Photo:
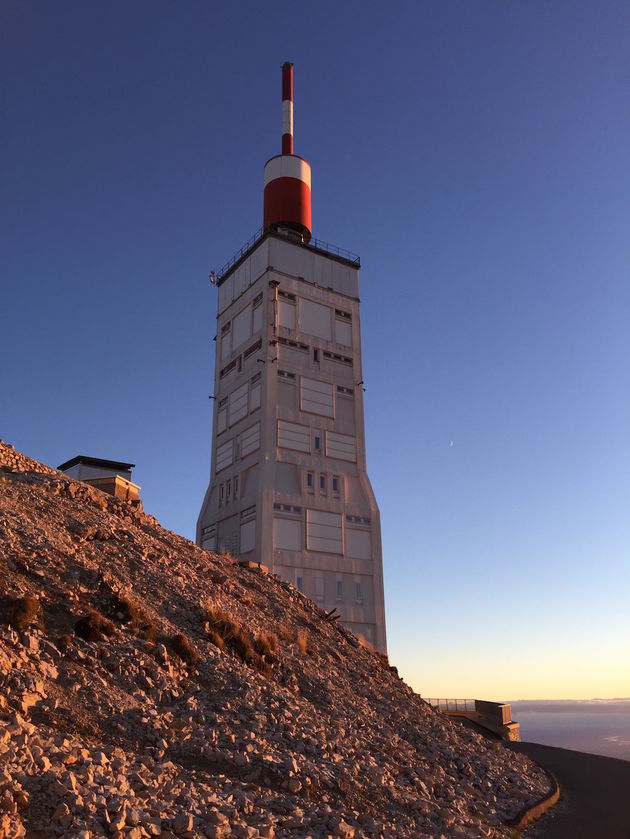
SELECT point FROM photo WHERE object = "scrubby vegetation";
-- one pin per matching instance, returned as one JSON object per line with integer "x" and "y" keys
{"x": 301, "y": 639}
{"x": 93, "y": 626}
{"x": 125, "y": 610}
{"x": 22, "y": 612}
{"x": 185, "y": 649}
{"x": 266, "y": 643}
{"x": 226, "y": 633}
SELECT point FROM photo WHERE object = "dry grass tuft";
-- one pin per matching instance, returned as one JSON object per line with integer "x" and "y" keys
{"x": 221, "y": 623}
{"x": 127, "y": 611}
{"x": 265, "y": 668}
{"x": 285, "y": 634}
{"x": 185, "y": 649}
{"x": 216, "y": 639}
{"x": 93, "y": 626}
{"x": 301, "y": 639}
{"x": 266, "y": 643}
{"x": 232, "y": 634}
{"x": 226, "y": 633}
{"x": 23, "y": 612}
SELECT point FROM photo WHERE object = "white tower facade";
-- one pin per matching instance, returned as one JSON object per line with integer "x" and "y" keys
{"x": 288, "y": 484}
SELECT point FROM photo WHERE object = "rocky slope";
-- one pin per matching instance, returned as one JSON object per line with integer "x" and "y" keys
{"x": 149, "y": 688}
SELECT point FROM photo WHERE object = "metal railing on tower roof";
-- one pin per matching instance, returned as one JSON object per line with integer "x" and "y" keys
{"x": 314, "y": 244}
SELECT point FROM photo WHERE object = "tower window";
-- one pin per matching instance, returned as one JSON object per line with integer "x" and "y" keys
{"x": 339, "y": 590}
{"x": 322, "y": 483}
{"x": 309, "y": 481}
{"x": 317, "y": 444}
{"x": 335, "y": 485}
{"x": 253, "y": 348}
{"x": 316, "y": 355}
{"x": 227, "y": 369}
{"x": 299, "y": 582}
{"x": 357, "y": 592}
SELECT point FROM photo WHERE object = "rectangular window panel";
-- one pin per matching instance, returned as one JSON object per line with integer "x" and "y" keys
{"x": 250, "y": 440}
{"x": 340, "y": 446}
{"x": 358, "y": 544}
{"x": 254, "y": 397}
{"x": 343, "y": 332}
{"x": 315, "y": 319}
{"x": 226, "y": 340}
{"x": 319, "y": 586}
{"x": 258, "y": 317}
{"x": 221, "y": 420}
{"x": 209, "y": 538}
{"x": 323, "y": 532}
{"x": 248, "y": 536}
{"x": 255, "y": 347}
{"x": 287, "y": 535}
{"x": 316, "y": 397}
{"x": 286, "y": 314}
{"x": 242, "y": 327}
{"x": 224, "y": 456}
{"x": 238, "y": 404}
{"x": 294, "y": 436}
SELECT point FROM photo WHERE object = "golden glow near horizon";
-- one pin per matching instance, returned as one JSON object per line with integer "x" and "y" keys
{"x": 548, "y": 673}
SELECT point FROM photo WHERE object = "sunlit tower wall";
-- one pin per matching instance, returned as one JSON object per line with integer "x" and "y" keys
{"x": 288, "y": 483}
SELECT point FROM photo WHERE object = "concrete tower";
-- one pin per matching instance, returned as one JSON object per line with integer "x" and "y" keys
{"x": 288, "y": 482}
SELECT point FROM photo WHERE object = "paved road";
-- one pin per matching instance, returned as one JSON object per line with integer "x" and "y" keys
{"x": 594, "y": 795}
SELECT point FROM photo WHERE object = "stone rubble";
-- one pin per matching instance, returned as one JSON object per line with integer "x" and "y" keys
{"x": 119, "y": 737}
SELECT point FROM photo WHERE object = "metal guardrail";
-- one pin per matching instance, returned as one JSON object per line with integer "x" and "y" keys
{"x": 316, "y": 244}
{"x": 240, "y": 253}
{"x": 334, "y": 250}
{"x": 456, "y": 705}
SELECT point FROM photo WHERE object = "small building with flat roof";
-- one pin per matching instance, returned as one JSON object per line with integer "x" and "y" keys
{"x": 111, "y": 476}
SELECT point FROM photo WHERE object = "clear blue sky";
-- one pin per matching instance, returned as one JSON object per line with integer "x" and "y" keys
{"x": 477, "y": 157}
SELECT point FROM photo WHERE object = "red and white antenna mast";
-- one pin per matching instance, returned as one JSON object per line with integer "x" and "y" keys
{"x": 287, "y": 201}
{"x": 287, "y": 108}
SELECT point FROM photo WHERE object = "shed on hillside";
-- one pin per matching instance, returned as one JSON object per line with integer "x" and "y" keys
{"x": 111, "y": 476}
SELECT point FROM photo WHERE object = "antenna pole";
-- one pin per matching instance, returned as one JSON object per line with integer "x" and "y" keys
{"x": 287, "y": 108}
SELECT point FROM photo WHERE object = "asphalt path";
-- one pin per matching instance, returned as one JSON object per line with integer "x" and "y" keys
{"x": 594, "y": 795}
